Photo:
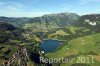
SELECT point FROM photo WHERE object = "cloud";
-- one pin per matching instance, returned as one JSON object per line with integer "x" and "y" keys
{"x": 13, "y": 9}
{"x": 83, "y": 2}
{"x": 10, "y": 6}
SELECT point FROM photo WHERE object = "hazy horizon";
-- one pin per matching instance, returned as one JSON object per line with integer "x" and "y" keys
{"x": 44, "y": 14}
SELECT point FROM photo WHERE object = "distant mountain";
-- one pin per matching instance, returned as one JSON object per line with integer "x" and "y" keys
{"x": 91, "y": 21}
{"x": 55, "y": 20}
{"x": 60, "y": 19}
{"x": 91, "y": 17}
{"x": 18, "y": 22}
{"x": 52, "y": 21}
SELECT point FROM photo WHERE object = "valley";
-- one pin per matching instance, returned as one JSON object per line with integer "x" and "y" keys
{"x": 64, "y": 35}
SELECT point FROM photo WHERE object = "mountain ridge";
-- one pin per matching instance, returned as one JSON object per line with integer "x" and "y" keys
{"x": 55, "y": 19}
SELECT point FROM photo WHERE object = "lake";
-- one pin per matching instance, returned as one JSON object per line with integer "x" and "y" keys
{"x": 49, "y": 45}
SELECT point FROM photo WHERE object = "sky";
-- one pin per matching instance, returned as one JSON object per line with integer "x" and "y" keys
{"x": 35, "y": 8}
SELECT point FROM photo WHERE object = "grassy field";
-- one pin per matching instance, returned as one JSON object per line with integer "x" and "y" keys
{"x": 86, "y": 46}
